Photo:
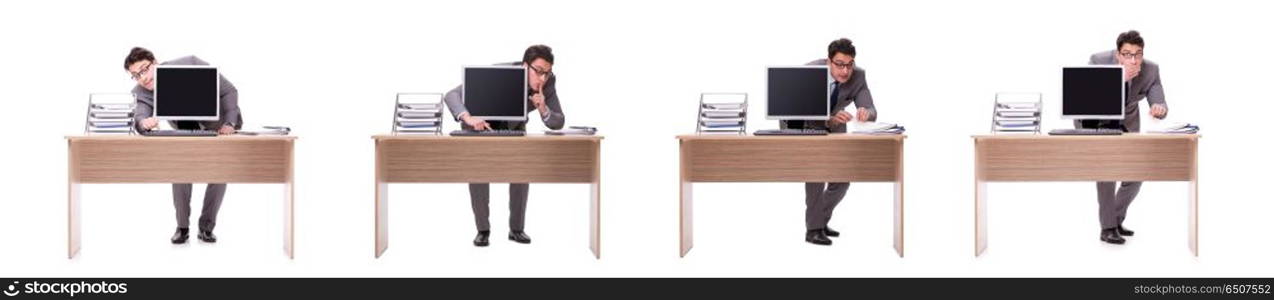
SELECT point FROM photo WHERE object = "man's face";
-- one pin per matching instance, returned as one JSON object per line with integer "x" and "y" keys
{"x": 143, "y": 72}
{"x": 537, "y": 73}
{"x": 1129, "y": 55}
{"x": 841, "y": 66}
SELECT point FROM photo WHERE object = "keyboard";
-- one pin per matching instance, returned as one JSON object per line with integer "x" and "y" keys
{"x": 179, "y": 132}
{"x": 497, "y": 132}
{"x": 1086, "y": 131}
{"x": 791, "y": 132}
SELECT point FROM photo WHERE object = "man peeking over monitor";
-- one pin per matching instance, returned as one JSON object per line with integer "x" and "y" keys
{"x": 141, "y": 67}
{"x": 1141, "y": 81}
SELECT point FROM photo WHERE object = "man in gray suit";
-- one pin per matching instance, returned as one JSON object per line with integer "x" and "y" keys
{"x": 541, "y": 86}
{"x": 848, "y": 85}
{"x": 1141, "y": 81}
{"x": 140, "y": 65}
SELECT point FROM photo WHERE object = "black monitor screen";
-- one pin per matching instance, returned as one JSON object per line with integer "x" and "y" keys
{"x": 1093, "y": 92}
{"x": 186, "y": 93}
{"x": 495, "y": 93}
{"x": 797, "y": 93}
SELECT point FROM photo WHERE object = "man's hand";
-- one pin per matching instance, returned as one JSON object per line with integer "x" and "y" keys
{"x": 226, "y": 130}
{"x": 477, "y": 124}
{"x": 150, "y": 123}
{"x": 1131, "y": 71}
{"x": 841, "y": 117}
{"x": 538, "y": 101}
{"x": 1158, "y": 111}
{"x": 863, "y": 114}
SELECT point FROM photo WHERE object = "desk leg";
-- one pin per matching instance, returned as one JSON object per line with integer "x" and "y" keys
{"x": 382, "y": 206}
{"x": 898, "y": 204}
{"x": 595, "y": 221}
{"x": 289, "y": 222}
{"x": 687, "y": 220}
{"x": 898, "y": 232}
{"x": 289, "y": 204}
{"x": 1193, "y": 214}
{"x": 1193, "y": 210}
{"x": 73, "y": 219}
{"x": 687, "y": 202}
{"x": 979, "y": 217}
{"x": 595, "y": 206}
{"x": 382, "y": 217}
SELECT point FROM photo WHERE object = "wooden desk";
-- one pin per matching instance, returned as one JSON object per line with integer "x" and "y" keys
{"x": 831, "y": 158}
{"x": 137, "y": 159}
{"x": 446, "y": 159}
{"x": 1128, "y": 157}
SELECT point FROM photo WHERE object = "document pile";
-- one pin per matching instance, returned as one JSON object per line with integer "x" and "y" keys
{"x": 418, "y": 113}
{"x": 722, "y": 113}
{"x": 877, "y": 128}
{"x": 1175, "y": 127}
{"x": 573, "y": 130}
{"x": 1016, "y": 113}
{"x": 267, "y": 130}
{"x": 109, "y": 114}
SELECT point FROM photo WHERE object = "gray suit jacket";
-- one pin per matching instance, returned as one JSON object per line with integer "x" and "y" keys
{"x": 554, "y": 120}
{"x": 1145, "y": 86}
{"x": 230, "y": 115}
{"x": 854, "y": 92}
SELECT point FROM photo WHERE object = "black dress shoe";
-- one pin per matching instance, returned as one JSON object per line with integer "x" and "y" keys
{"x": 831, "y": 233}
{"x": 817, "y": 237}
{"x": 207, "y": 236}
{"x": 1110, "y": 236}
{"x": 1123, "y": 231}
{"x": 481, "y": 239}
{"x": 180, "y": 236}
{"x": 520, "y": 237}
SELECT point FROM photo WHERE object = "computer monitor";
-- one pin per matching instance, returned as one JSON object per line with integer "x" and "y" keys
{"x": 495, "y": 92}
{"x": 187, "y": 93}
{"x": 797, "y": 93}
{"x": 1093, "y": 92}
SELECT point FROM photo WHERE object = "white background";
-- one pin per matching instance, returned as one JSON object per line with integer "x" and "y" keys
{"x": 330, "y": 71}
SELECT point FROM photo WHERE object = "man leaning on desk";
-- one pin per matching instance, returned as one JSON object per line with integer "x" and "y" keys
{"x": 538, "y": 60}
{"x": 1141, "y": 81}
{"x": 140, "y": 65}
{"x": 848, "y": 85}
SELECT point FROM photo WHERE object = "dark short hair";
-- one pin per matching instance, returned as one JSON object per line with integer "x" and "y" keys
{"x": 537, "y": 51}
{"x": 136, "y": 55}
{"x": 1130, "y": 37}
{"x": 843, "y": 45}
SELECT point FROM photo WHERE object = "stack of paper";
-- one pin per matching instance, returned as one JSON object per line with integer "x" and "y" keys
{"x": 1016, "y": 113}
{"x": 417, "y": 113}
{"x": 109, "y": 113}
{"x": 722, "y": 113}
{"x": 877, "y": 128}
{"x": 266, "y": 130}
{"x": 573, "y": 130}
{"x": 1176, "y": 127}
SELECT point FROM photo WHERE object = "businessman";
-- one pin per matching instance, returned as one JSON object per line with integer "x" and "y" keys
{"x": 542, "y": 98}
{"x": 1141, "y": 81}
{"x": 140, "y": 65}
{"x": 847, "y": 85}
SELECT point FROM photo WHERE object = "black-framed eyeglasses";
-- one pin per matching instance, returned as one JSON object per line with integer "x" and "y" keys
{"x": 843, "y": 65}
{"x": 1128, "y": 55}
{"x": 543, "y": 73}
{"x": 138, "y": 74}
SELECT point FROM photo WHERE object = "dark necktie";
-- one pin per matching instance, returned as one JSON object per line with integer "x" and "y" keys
{"x": 831, "y": 103}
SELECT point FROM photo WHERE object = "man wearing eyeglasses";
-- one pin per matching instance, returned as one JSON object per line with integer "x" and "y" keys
{"x": 847, "y": 85}
{"x": 542, "y": 98}
{"x": 140, "y": 64}
{"x": 1141, "y": 81}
